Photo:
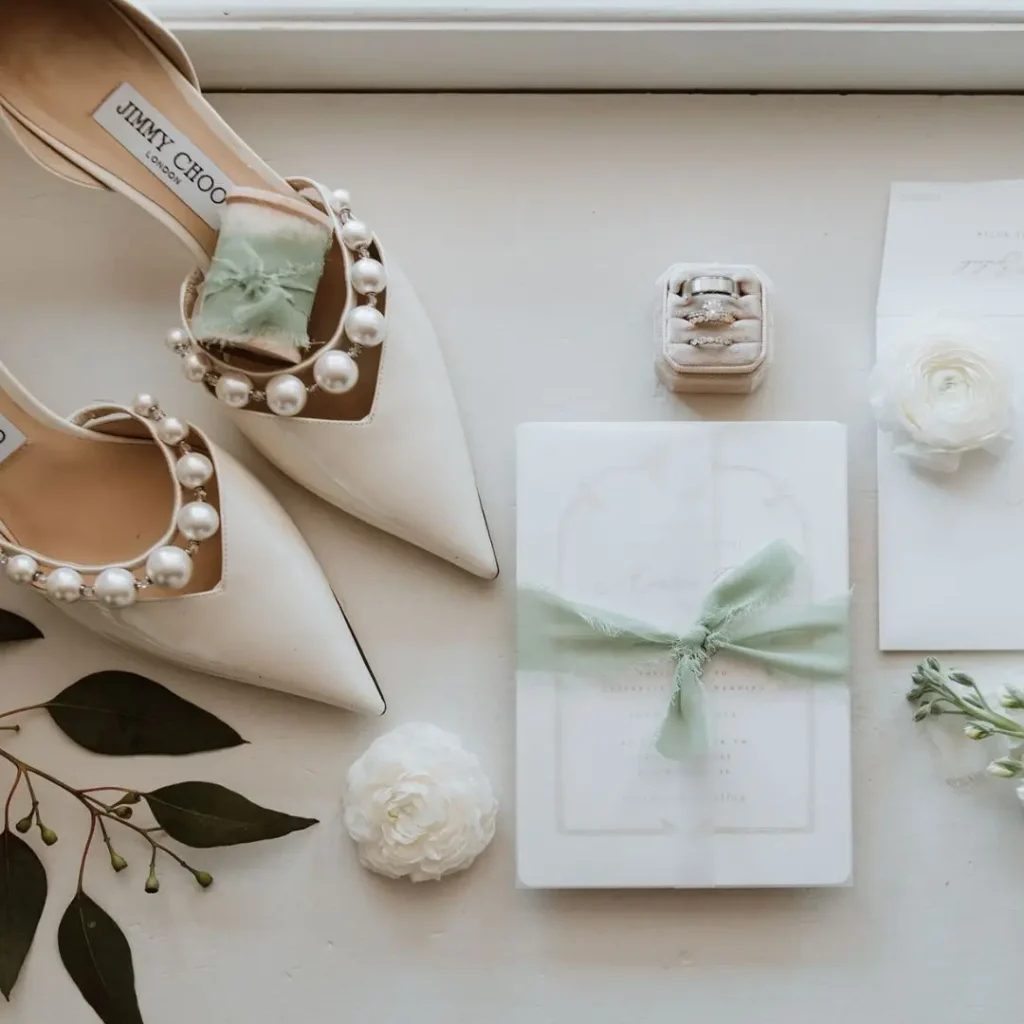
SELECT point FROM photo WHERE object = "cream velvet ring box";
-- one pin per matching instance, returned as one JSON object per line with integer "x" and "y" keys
{"x": 646, "y": 521}
{"x": 713, "y": 343}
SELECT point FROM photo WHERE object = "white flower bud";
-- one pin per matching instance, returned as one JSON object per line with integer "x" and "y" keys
{"x": 1011, "y": 697}
{"x": 977, "y": 730}
{"x": 1005, "y": 768}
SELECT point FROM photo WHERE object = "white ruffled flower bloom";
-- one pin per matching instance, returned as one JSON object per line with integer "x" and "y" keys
{"x": 418, "y": 804}
{"x": 943, "y": 396}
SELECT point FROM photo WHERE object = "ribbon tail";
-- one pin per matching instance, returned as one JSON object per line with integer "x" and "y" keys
{"x": 806, "y": 643}
{"x": 683, "y": 734}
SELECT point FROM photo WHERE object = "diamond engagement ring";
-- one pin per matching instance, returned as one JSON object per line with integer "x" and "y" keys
{"x": 713, "y": 311}
{"x": 711, "y": 294}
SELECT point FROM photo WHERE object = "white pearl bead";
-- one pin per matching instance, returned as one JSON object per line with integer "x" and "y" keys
{"x": 193, "y": 470}
{"x": 195, "y": 366}
{"x": 177, "y": 339}
{"x": 335, "y": 372}
{"x": 368, "y": 276}
{"x": 171, "y": 430}
{"x": 198, "y": 520}
{"x": 22, "y": 568}
{"x": 340, "y": 200}
{"x": 234, "y": 389}
{"x": 169, "y": 567}
{"x": 145, "y": 405}
{"x": 355, "y": 234}
{"x": 366, "y": 326}
{"x": 115, "y": 588}
{"x": 64, "y": 585}
{"x": 286, "y": 395}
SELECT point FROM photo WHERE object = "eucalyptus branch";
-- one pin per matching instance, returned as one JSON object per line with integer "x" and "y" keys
{"x": 940, "y": 692}
{"x": 99, "y": 813}
{"x": 117, "y": 714}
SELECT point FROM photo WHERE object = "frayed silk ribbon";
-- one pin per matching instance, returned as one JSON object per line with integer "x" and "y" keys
{"x": 809, "y": 643}
{"x": 263, "y": 297}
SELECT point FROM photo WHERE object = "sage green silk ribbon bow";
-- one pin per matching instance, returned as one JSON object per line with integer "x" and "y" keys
{"x": 810, "y": 643}
{"x": 250, "y": 292}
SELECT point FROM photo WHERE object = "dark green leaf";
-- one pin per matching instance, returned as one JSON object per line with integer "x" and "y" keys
{"x": 14, "y": 627}
{"x": 203, "y": 814}
{"x": 22, "y": 898}
{"x": 99, "y": 960}
{"x": 124, "y": 714}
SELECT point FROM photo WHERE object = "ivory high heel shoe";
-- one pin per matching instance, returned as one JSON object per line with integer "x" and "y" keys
{"x": 140, "y": 528}
{"x": 310, "y": 336}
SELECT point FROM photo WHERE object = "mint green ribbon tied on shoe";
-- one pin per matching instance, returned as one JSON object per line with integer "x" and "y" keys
{"x": 262, "y": 282}
{"x": 247, "y": 295}
{"x": 739, "y": 617}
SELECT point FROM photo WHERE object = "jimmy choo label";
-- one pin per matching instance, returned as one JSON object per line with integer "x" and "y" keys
{"x": 168, "y": 153}
{"x": 11, "y": 438}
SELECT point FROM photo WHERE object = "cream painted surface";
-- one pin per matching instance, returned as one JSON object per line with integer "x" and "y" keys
{"x": 534, "y": 229}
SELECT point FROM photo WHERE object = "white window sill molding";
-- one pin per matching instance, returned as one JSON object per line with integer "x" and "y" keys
{"x": 596, "y": 45}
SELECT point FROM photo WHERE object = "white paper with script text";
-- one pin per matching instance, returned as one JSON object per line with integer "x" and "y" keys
{"x": 951, "y": 545}
{"x": 642, "y": 519}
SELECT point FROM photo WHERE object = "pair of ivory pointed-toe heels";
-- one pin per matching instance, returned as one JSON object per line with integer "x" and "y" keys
{"x": 295, "y": 323}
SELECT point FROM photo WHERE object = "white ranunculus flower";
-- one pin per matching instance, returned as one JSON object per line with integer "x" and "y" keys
{"x": 942, "y": 396}
{"x": 418, "y": 804}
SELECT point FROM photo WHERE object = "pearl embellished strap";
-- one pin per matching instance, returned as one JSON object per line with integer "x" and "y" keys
{"x": 334, "y": 369}
{"x": 167, "y": 565}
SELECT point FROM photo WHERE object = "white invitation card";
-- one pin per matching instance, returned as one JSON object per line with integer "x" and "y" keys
{"x": 642, "y": 520}
{"x": 949, "y": 544}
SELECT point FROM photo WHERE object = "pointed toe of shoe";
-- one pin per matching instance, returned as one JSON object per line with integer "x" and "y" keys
{"x": 476, "y": 555}
{"x": 405, "y": 468}
{"x": 272, "y": 621}
{"x": 330, "y": 667}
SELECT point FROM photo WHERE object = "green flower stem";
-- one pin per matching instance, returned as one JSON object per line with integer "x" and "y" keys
{"x": 959, "y": 695}
{"x": 986, "y": 713}
{"x": 97, "y": 811}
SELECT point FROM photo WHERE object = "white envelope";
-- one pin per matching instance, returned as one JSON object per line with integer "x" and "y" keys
{"x": 949, "y": 545}
{"x": 641, "y": 519}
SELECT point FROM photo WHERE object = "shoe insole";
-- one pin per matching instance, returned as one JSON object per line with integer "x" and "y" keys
{"x": 60, "y": 60}
{"x": 92, "y": 502}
